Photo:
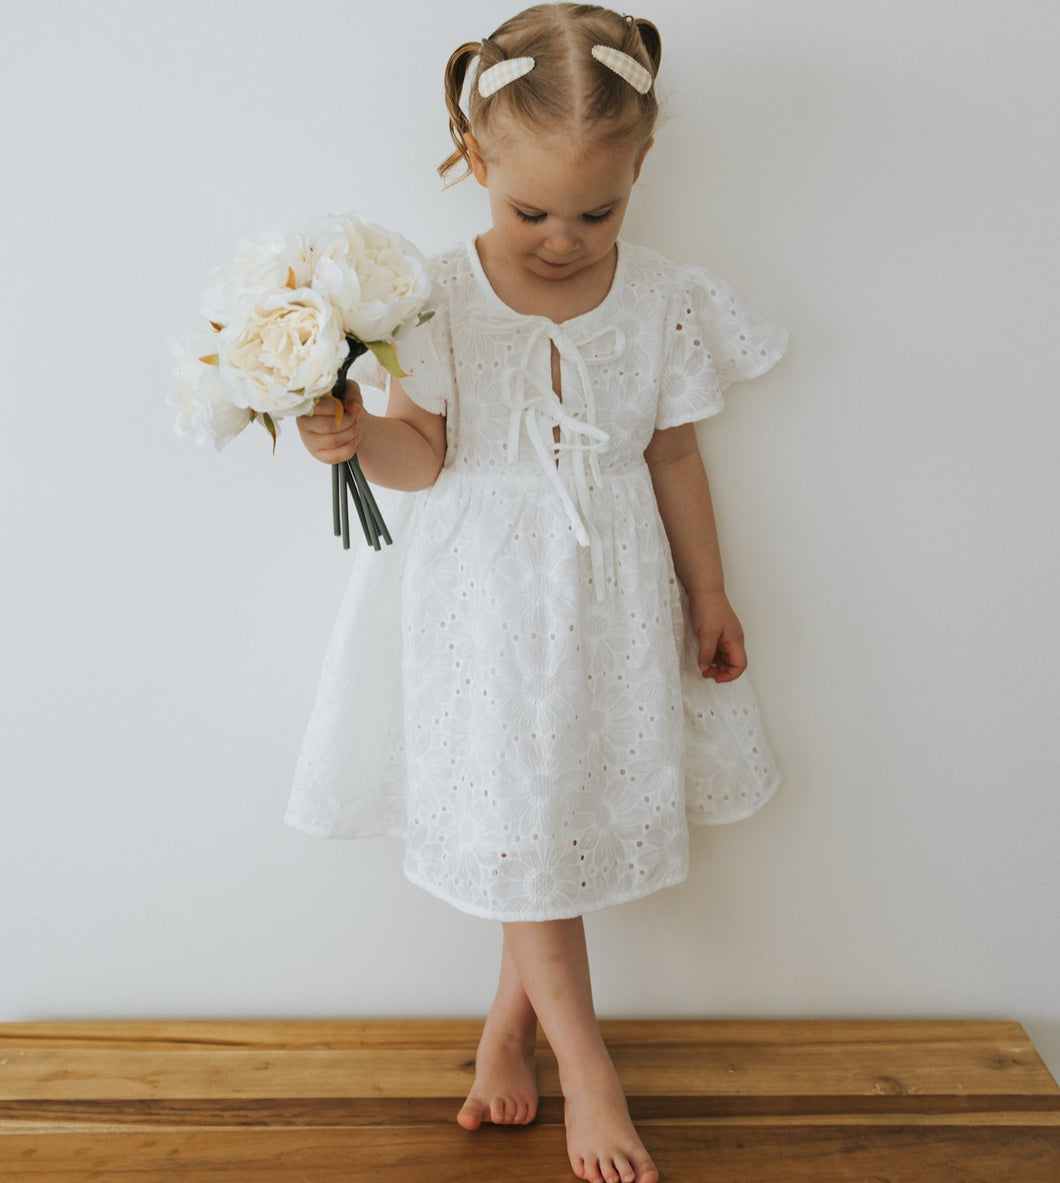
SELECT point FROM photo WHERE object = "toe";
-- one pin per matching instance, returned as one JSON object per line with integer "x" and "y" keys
{"x": 646, "y": 1171}
{"x": 625, "y": 1169}
{"x": 470, "y": 1116}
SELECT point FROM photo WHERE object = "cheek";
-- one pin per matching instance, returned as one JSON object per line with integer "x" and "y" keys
{"x": 525, "y": 233}
{"x": 604, "y": 235}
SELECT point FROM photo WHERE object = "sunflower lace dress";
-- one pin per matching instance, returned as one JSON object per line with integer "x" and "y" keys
{"x": 513, "y": 687}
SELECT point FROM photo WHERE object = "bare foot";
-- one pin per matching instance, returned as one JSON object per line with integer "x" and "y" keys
{"x": 505, "y": 1088}
{"x": 602, "y": 1144}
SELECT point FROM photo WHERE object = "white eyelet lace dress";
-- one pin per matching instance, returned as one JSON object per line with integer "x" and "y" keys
{"x": 513, "y": 687}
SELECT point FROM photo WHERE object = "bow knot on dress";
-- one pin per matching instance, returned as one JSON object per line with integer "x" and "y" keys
{"x": 538, "y": 409}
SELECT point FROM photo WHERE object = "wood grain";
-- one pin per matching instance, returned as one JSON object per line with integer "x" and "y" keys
{"x": 738, "y": 1102}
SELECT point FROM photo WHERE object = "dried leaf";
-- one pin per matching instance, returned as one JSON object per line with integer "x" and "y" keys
{"x": 386, "y": 356}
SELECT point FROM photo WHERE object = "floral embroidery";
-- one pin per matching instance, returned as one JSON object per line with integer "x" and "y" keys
{"x": 557, "y": 735}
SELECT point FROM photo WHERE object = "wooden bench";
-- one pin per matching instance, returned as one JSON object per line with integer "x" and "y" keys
{"x": 324, "y": 1102}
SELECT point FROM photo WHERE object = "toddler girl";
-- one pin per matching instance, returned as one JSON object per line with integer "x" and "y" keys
{"x": 561, "y": 696}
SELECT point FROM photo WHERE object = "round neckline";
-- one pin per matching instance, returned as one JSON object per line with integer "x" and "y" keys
{"x": 488, "y": 289}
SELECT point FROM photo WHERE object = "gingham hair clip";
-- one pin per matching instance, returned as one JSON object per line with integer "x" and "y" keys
{"x": 498, "y": 76}
{"x": 624, "y": 66}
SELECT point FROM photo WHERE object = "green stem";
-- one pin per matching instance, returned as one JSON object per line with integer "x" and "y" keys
{"x": 348, "y": 477}
{"x": 371, "y": 534}
{"x": 370, "y": 502}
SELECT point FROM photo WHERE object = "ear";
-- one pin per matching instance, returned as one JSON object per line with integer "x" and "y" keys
{"x": 640, "y": 159}
{"x": 478, "y": 161}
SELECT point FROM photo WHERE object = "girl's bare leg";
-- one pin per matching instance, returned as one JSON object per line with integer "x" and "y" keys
{"x": 553, "y": 965}
{"x": 505, "y": 1088}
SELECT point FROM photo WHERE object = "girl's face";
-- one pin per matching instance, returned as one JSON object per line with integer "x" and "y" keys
{"x": 557, "y": 205}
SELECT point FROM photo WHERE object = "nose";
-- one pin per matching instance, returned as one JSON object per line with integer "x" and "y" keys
{"x": 561, "y": 242}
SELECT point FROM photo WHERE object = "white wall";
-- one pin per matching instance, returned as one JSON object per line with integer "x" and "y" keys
{"x": 882, "y": 178}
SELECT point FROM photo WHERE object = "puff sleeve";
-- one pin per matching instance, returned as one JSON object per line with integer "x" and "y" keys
{"x": 426, "y": 355}
{"x": 712, "y": 339}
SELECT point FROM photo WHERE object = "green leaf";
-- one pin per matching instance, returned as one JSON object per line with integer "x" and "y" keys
{"x": 424, "y": 317}
{"x": 386, "y": 355}
{"x": 270, "y": 427}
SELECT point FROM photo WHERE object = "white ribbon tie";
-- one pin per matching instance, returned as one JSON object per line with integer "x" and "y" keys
{"x": 536, "y": 406}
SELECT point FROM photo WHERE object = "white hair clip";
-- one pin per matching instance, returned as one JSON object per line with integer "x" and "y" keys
{"x": 624, "y": 66}
{"x": 498, "y": 76}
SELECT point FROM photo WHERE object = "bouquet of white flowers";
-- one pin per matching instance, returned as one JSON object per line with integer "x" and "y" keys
{"x": 288, "y": 316}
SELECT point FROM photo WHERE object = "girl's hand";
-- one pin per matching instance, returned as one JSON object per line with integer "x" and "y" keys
{"x": 722, "y": 655}
{"x": 329, "y": 436}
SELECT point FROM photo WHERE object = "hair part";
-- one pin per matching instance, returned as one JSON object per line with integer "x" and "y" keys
{"x": 568, "y": 89}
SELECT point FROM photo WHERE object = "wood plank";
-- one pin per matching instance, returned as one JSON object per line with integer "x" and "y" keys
{"x": 309, "y": 1035}
{"x": 66, "y": 1074}
{"x": 438, "y": 1033}
{"x": 411, "y": 1059}
{"x": 684, "y": 1154}
{"x": 324, "y": 1112}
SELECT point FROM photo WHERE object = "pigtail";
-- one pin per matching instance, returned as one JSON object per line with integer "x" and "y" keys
{"x": 651, "y": 40}
{"x": 615, "y": 97}
{"x": 455, "y": 74}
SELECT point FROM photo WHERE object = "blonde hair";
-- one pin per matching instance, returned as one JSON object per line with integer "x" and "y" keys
{"x": 568, "y": 89}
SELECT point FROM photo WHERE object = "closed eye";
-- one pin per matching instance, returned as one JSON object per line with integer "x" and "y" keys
{"x": 592, "y": 219}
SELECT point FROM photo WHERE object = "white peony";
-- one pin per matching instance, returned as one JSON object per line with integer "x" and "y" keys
{"x": 281, "y": 311}
{"x": 374, "y": 277}
{"x": 285, "y": 354}
{"x": 203, "y": 402}
{"x": 272, "y": 260}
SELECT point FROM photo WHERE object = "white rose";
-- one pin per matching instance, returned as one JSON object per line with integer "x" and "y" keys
{"x": 285, "y": 354}
{"x": 202, "y": 401}
{"x": 261, "y": 265}
{"x": 376, "y": 278}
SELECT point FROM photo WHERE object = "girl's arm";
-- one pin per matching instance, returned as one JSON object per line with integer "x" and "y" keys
{"x": 683, "y": 495}
{"x": 403, "y": 449}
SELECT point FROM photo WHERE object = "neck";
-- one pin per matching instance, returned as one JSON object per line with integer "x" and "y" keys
{"x": 532, "y": 295}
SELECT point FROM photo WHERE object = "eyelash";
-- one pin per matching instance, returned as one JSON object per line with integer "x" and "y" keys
{"x": 592, "y": 219}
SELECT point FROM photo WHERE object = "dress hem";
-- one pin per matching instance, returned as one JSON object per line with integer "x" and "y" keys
{"x": 332, "y": 832}
{"x": 743, "y": 815}
{"x": 335, "y": 833}
{"x": 537, "y": 918}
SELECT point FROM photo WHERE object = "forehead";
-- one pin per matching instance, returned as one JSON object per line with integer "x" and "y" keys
{"x": 562, "y": 174}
